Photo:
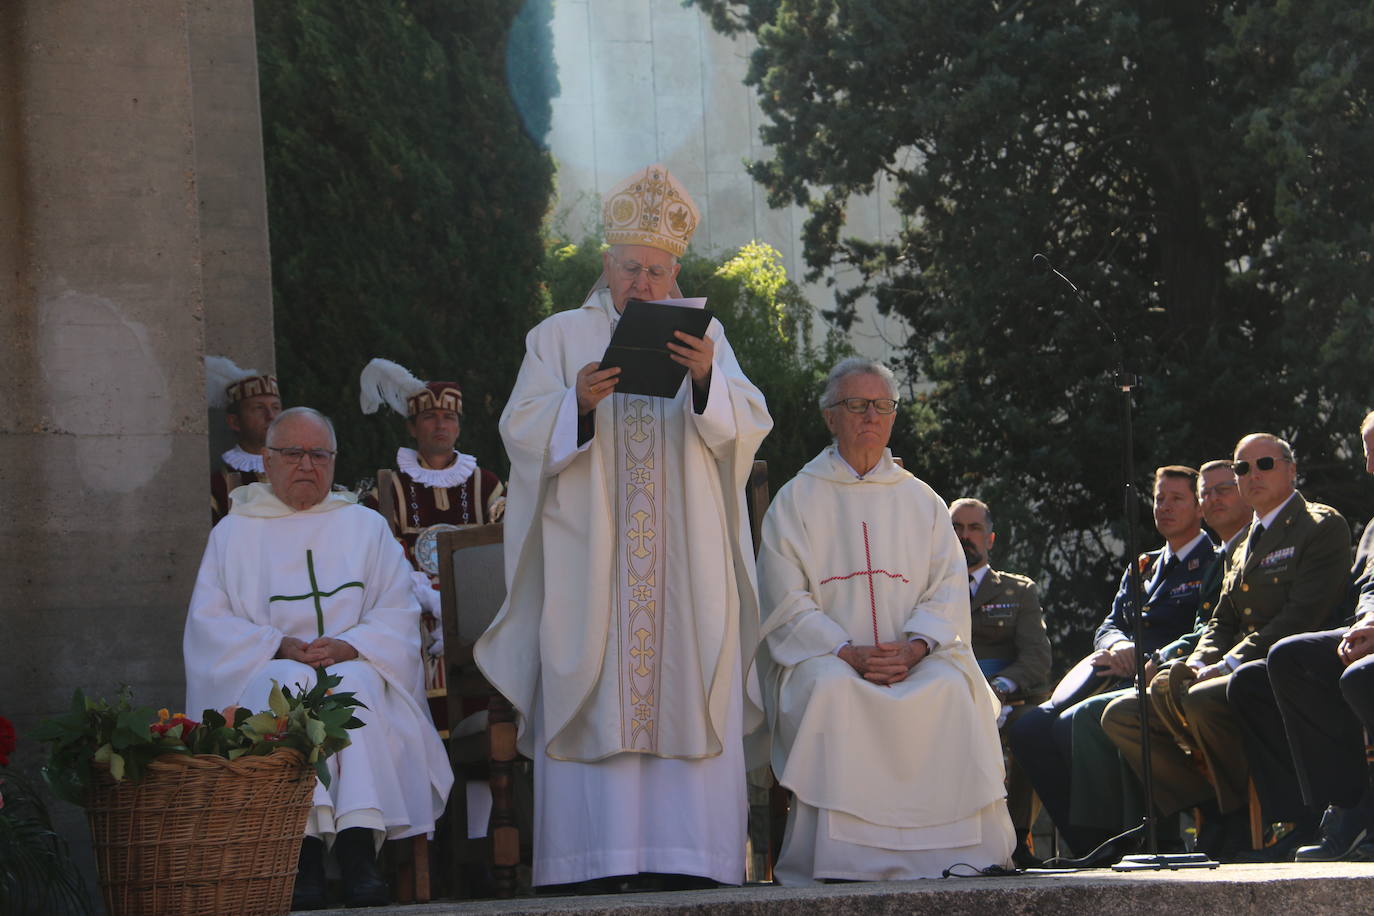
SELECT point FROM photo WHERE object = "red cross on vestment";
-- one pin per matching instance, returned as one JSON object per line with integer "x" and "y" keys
{"x": 870, "y": 572}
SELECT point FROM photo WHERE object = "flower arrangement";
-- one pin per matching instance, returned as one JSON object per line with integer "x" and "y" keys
{"x": 126, "y": 738}
{"x": 36, "y": 870}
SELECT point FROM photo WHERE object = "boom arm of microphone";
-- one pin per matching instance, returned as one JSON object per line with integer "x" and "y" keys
{"x": 1044, "y": 264}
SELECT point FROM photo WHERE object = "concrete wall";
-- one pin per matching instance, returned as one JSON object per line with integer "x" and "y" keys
{"x": 132, "y": 229}
{"x": 236, "y": 278}
{"x": 649, "y": 81}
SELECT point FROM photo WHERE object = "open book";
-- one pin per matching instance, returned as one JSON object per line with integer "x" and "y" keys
{"x": 639, "y": 345}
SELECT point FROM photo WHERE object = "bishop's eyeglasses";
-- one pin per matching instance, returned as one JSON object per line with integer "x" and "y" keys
{"x": 630, "y": 270}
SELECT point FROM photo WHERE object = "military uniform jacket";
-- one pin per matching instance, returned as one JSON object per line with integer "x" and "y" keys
{"x": 1172, "y": 601}
{"x": 1211, "y": 593}
{"x": 1287, "y": 581}
{"x": 1008, "y": 624}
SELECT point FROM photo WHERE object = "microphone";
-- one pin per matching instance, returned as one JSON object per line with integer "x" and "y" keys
{"x": 1043, "y": 263}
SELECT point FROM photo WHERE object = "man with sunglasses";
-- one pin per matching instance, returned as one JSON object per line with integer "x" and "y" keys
{"x": 632, "y": 616}
{"x": 1321, "y": 686}
{"x": 1287, "y": 577}
{"x": 298, "y": 577}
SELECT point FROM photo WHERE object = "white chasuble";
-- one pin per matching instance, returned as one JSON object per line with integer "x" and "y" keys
{"x": 271, "y": 572}
{"x": 632, "y": 614}
{"x": 890, "y": 782}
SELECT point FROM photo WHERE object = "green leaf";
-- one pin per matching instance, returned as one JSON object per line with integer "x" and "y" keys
{"x": 316, "y": 731}
{"x": 276, "y": 701}
{"x": 264, "y": 723}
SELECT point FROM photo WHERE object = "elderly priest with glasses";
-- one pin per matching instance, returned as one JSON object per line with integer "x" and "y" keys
{"x": 297, "y": 578}
{"x": 632, "y": 616}
{"x": 883, "y": 725}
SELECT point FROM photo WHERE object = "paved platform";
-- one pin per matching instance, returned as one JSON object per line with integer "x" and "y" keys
{"x": 1300, "y": 890}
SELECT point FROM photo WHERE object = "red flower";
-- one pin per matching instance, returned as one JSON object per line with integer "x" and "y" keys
{"x": 7, "y": 741}
{"x": 166, "y": 723}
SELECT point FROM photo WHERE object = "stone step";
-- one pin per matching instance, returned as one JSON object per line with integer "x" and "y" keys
{"x": 1307, "y": 889}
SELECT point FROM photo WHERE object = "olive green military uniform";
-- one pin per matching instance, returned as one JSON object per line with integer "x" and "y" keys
{"x": 1283, "y": 580}
{"x": 1009, "y": 626}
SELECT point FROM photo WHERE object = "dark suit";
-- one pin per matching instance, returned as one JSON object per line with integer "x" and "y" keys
{"x": 1042, "y": 741}
{"x": 1303, "y": 683}
{"x": 1285, "y": 581}
{"x": 1009, "y": 630}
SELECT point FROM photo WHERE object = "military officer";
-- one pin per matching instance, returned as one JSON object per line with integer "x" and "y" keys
{"x": 1323, "y": 693}
{"x": 1105, "y": 796}
{"x": 1286, "y": 578}
{"x": 1009, "y": 641}
{"x": 1172, "y": 578}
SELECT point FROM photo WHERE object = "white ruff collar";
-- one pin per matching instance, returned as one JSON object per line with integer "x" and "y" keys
{"x": 240, "y": 460}
{"x": 455, "y": 475}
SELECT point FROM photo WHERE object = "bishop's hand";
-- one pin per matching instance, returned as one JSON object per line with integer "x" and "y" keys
{"x": 593, "y": 384}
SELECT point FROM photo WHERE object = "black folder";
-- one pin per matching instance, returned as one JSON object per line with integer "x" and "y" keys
{"x": 639, "y": 346}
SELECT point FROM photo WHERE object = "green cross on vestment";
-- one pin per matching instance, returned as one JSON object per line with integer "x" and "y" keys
{"x": 315, "y": 592}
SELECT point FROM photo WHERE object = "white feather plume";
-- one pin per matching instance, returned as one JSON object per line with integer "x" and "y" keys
{"x": 385, "y": 382}
{"x": 220, "y": 373}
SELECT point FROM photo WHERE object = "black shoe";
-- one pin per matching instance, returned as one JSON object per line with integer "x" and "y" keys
{"x": 308, "y": 894}
{"x": 1022, "y": 857}
{"x": 1342, "y": 832}
{"x": 1225, "y": 837}
{"x": 675, "y": 882}
{"x": 357, "y": 856}
{"x": 1108, "y": 854}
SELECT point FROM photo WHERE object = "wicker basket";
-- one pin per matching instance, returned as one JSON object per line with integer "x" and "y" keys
{"x": 202, "y": 836}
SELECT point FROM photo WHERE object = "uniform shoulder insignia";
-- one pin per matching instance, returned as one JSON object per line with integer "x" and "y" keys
{"x": 1319, "y": 511}
{"x": 1015, "y": 578}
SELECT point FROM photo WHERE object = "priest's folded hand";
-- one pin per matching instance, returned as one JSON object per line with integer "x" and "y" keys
{"x": 331, "y": 651}
{"x": 885, "y": 663}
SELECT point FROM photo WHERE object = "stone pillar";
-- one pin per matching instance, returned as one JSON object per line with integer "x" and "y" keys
{"x": 132, "y": 230}
{"x": 231, "y": 185}
{"x": 102, "y": 430}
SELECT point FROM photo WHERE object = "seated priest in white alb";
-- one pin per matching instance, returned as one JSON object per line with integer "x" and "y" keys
{"x": 298, "y": 577}
{"x": 883, "y": 727}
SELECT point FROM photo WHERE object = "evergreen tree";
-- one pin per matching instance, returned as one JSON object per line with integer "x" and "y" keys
{"x": 406, "y": 182}
{"x": 1202, "y": 170}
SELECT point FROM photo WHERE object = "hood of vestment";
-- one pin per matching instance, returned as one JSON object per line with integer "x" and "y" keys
{"x": 828, "y": 465}
{"x": 256, "y": 500}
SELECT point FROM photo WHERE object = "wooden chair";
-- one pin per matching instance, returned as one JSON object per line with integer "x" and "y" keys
{"x": 472, "y": 590}
{"x": 767, "y": 802}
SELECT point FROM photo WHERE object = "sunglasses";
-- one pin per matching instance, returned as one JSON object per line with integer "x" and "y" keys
{"x": 1261, "y": 464}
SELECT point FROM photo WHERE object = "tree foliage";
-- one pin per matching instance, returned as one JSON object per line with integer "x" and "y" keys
{"x": 1209, "y": 161}
{"x": 406, "y": 184}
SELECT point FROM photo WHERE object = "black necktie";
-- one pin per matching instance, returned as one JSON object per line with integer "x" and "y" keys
{"x": 1256, "y": 533}
{"x": 1163, "y": 573}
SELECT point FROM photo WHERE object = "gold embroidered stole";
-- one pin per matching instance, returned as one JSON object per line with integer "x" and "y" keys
{"x": 641, "y": 567}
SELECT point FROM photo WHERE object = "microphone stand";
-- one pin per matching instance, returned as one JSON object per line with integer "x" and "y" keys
{"x": 1125, "y": 383}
